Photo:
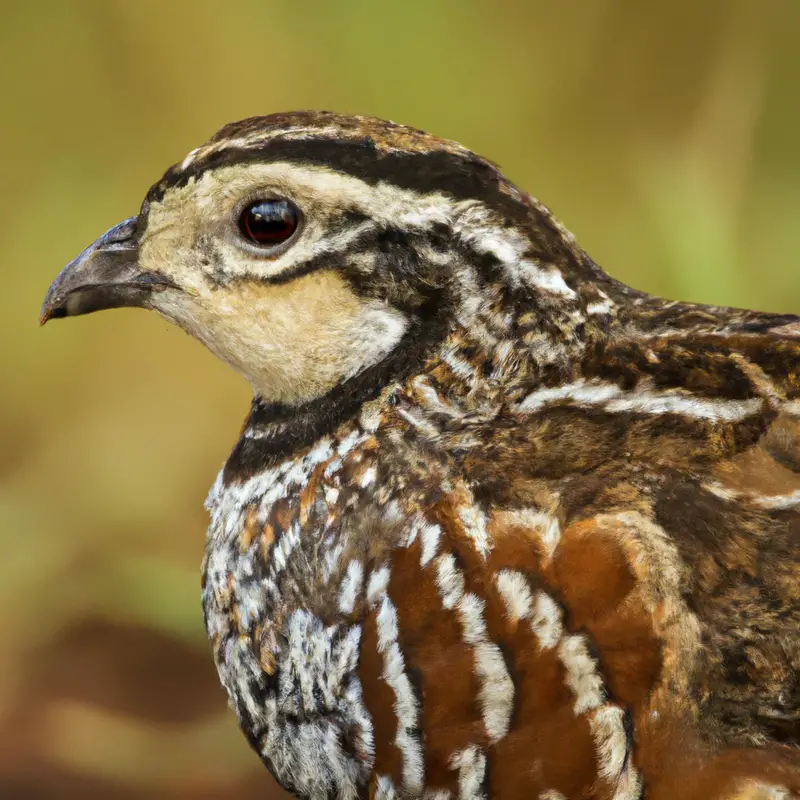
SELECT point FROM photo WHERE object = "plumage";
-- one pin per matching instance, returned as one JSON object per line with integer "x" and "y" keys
{"x": 497, "y": 525}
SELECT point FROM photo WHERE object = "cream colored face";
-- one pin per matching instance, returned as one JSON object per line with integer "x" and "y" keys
{"x": 293, "y": 338}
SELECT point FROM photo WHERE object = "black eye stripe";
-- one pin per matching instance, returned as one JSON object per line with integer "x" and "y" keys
{"x": 270, "y": 221}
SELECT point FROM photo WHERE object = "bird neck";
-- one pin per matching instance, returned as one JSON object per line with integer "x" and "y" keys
{"x": 472, "y": 361}
{"x": 507, "y": 316}
{"x": 275, "y": 431}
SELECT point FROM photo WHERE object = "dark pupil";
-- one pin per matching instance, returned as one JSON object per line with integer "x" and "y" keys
{"x": 268, "y": 221}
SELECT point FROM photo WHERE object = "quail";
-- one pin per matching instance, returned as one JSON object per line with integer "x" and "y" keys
{"x": 497, "y": 525}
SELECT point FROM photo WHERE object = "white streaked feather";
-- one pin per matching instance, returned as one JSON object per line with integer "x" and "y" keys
{"x": 641, "y": 401}
{"x": 471, "y": 766}
{"x": 351, "y": 586}
{"x": 449, "y": 580}
{"x": 430, "y": 535}
{"x": 516, "y": 594}
{"x": 582, "y": 675}
{"x": 406, "y": 706}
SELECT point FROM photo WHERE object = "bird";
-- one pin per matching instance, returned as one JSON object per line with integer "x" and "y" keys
{"x": 497, "y": 525}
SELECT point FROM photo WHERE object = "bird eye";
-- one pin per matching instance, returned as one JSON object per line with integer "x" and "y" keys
{"x": 269, "y": 222}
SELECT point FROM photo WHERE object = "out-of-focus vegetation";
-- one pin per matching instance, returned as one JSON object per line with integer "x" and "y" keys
{"x": 664, "y": 134}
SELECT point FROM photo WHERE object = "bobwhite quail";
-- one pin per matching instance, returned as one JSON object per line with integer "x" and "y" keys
{"x": 497, "y": 526}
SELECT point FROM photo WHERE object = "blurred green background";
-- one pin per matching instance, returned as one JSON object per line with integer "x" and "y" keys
{"x": 664, "y": 134}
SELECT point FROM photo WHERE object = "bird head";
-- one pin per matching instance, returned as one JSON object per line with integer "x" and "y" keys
{"x": 304, "y": 249}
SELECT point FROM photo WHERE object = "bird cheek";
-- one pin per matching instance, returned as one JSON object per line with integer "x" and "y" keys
{"x": 169, "y": 254}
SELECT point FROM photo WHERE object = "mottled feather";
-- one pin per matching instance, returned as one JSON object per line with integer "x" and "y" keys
{"x": 497, "y": 525}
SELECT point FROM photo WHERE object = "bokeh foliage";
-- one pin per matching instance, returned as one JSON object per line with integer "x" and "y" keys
{"x": 664, "y": 134}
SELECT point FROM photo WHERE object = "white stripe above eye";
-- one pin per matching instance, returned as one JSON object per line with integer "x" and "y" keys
{"x": 612, "y": 398}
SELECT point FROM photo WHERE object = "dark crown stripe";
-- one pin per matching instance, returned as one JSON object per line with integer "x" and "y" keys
{"x": 461, "y": 177}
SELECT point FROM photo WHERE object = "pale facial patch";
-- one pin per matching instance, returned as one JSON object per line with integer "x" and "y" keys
{"x": 293, "y": 342}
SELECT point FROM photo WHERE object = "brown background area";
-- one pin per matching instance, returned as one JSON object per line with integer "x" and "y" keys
{"x": 664, "y": 134}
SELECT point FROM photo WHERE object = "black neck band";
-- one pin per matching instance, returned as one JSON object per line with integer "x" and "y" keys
{"x": 274, "y": 431}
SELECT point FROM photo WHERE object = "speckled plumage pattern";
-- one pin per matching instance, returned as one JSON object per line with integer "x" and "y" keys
{"x": 541, "y": 541}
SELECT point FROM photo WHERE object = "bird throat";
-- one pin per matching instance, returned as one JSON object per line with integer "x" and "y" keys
{"x": 274, "y": 431}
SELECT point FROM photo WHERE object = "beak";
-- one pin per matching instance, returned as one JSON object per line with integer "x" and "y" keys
{"x": 105, "y": 275}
